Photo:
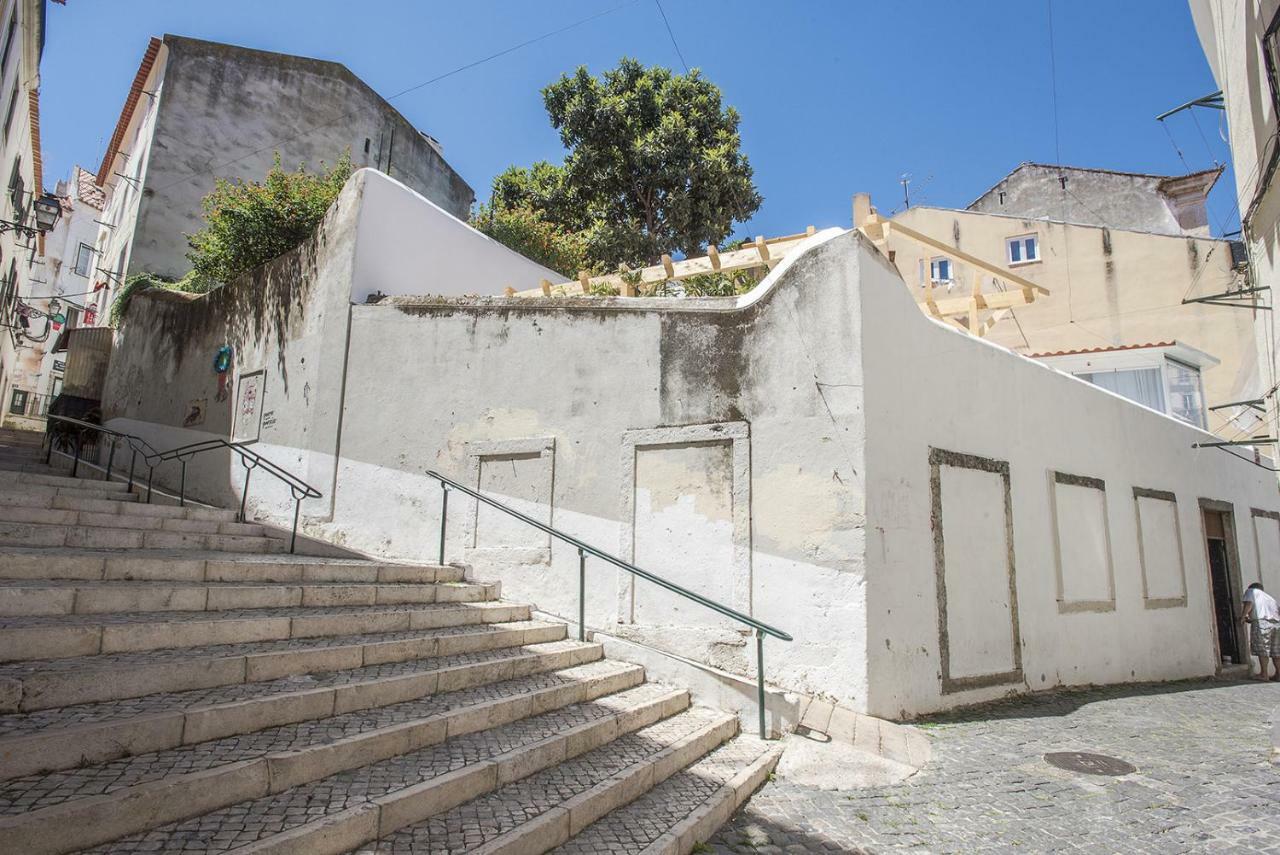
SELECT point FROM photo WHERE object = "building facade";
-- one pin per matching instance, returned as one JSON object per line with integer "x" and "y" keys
{"x": 21, "y": 44}
{"x": 1241, "y": 41}
{"x": 1118, "y": 269}
{"x": 200, "y": 111}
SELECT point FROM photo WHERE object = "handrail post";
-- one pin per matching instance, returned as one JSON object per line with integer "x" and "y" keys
{"x": 151, "y": 471}
{"x": 444, "y": 516}
{"x": 182, "y": 492}
{"x": 111, "y": 457}
{"x": 582, "y": 595}
{"x": 293, "y": 539}
{"x": 760, "y": 680}
{"x": 75, "y": 467}
{"x": 133, "y": 459}
{"x": 244, "y": 494}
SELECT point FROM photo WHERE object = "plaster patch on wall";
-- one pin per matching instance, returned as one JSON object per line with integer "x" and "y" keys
{"x": 519, "y": 473}
{"x": 1164, "y": 574}
{"x": 805, "y": 516}
{"x": 1082, "y": 543}
{"x": 1266, "y": 541}
{"x": 976, "y": 648}
{"x": 694, "y": 474}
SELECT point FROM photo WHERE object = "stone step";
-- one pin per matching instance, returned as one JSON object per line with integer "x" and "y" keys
{"x": 683, "y": 811}
{"x": 99, "y": 680}
{"x": 73, "y": 736}
{"x": 116, "y": 537}
{"x": 31, "y": 598}
{"x": 75, "y": 809}
{"x": 61, "y": 636}
{"x": 85, "y": 490}
{"x": 19, "y": 480}
{"x": 112, "y": 505}
{"x": 129, "y": 519}
{"x": 189, "y": 566}
{"x": 545, "y": 809}
{"x": 333, "y": 814}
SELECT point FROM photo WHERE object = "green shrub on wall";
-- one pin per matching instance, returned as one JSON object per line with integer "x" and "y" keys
{"x": 529, "y": 233}
{"x": 248, "y": 223}
{"x": 190, "y": 284}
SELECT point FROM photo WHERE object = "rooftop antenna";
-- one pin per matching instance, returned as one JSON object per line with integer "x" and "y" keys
{"x": 904, "y": 181}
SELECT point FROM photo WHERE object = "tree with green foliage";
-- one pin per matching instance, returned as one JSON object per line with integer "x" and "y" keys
{"x": 654, "y": 165}
{"x": 528, "y": 233}
{"x": 248, "y": 223}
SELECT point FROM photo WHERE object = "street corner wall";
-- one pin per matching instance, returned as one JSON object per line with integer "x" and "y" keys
{"x": 1027, "y": 530}
{"x": 285, "y": 325}
{"x": 715, "y": 442}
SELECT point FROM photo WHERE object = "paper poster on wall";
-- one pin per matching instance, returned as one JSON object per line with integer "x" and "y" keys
{"x": 248, "y": 414}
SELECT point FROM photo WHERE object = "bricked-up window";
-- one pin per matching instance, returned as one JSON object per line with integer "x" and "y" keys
{"x": 1271, "y": 59}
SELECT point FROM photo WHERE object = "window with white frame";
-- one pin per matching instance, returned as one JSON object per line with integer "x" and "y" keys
{"x": 84, "y": 260}
{"x": 1164, "y": 384}
{"x": 940, "y": 270}
{"x": 1022, "y": 249}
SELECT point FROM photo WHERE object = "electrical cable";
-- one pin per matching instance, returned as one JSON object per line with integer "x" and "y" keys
{"x": 671, "y": 33}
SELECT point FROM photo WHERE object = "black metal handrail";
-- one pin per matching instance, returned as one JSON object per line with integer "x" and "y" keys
{"x": 584, "y": 549}
{"x": 250, "y": 460}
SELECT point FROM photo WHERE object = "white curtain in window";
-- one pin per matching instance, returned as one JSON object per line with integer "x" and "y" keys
{"x": 1143, "y": 385}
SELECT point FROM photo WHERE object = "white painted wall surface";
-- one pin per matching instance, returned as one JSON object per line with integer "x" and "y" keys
{"x": 406, "y": 244}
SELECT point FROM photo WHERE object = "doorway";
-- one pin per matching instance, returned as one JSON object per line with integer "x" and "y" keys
{"x": 1224, "y": 580}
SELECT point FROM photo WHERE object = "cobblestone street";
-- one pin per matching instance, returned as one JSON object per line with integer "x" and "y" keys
{"x": 1204, "y": 781}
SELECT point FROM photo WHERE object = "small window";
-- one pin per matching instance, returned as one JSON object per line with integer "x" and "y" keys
{"x": 16, "y": 191}
{"x": 18, "y": 403}
{"x": 1186, "y": 396}
{"x": 12, "y": 108}
{"x": 940, "y": 270}
{"x": 1023, "y": 249}
{"x": 9, "y": 33}
{"x": 84, "y": 260}
{"x": 1271, "y": 59}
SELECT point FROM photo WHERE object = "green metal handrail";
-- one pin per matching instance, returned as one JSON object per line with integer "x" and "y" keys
{"x": 584, "y": 549}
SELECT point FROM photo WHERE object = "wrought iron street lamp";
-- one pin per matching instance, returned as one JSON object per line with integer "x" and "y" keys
{"x": 48, "y": 208}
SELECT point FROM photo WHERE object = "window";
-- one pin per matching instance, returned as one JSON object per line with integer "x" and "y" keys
{"x": 9, "y": 33}
{"x": 16, "y": 190}
{"x": 73, "y": 318}
{"x": 1023, "y": 249}
{"x": 18, "y": 403}
{"x": 1271, "y": 60}
{"x": 1186, "y": 395}
{"x": 84, "y": 260}
{"x": 13, "y": 107}
{"x": 940, "y": 270}
{"x": 1143, "y": 385}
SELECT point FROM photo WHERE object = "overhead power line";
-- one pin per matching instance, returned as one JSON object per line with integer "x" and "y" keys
{"x": 671, "y": 33}
{"x": 211, "y": 170}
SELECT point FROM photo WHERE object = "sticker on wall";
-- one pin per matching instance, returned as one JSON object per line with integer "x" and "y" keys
{"x": 195, "y": 412}
{"x": 248, "y": 413}
{"x": 222, "y": 367}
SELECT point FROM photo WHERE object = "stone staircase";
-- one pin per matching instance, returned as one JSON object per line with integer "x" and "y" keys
{"x": 173, "y": 680}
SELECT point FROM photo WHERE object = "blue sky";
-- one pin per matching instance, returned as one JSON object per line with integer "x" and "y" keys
{"x": 835, "y": 97}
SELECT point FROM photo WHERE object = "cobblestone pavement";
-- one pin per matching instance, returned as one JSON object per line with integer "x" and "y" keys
{"x": 1204, "y": 781}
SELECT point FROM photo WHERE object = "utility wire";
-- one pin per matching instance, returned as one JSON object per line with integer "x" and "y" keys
{"x": 467, "y": 66}
{"x": 671, "y": 33}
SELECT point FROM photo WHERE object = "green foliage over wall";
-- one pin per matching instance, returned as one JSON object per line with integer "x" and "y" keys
{"x": 528, "y": 233}
{"x": 190, "y": 284}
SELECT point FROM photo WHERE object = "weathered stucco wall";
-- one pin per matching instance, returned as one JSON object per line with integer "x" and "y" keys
{"x": 226, "y": 111}
{"x": 987, "y": 432}
{"x": 775, "y": 451}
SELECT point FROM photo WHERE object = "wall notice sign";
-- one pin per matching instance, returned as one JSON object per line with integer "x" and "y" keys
{"x": 247, "y": 422}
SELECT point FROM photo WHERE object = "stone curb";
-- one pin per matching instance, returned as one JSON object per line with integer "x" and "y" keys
{"x": 66, "y": 748}
{"x": 118, "y": 537}
{"x": 897, "y": 742}
{"x": 65, "y": 641}
{"x": 705, "y": 820}
{"x": 82, "y": 823}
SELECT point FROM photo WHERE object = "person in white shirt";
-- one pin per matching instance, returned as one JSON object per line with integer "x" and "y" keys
{"x": 1263, "y": 615}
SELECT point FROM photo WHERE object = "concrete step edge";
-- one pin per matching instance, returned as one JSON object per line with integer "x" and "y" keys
{"x": 554, "y": 827}
{"x": 705, "y": 819}
{"x": 94, "y": 683}
{"x": 53, "y": 640}
{"x": 30, "y": 598}
{"x": 100, "y": 742}
{"x": 80, "y": 823}
{"x": 54, "y": 536}
{"x": 87, "y": 564}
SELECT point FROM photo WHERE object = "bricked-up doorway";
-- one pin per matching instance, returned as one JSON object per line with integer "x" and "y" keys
{"x": 1224, "y": 580}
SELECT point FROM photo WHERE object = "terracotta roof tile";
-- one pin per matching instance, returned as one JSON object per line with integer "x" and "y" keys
{"x": 88, "y": 191}
{"x": 1103, "y": 349}
{"x": 130, "y": 102}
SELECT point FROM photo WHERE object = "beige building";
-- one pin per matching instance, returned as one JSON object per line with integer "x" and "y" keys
{"x": 1241, "y": 41}
{"x": 1130, "y": 249}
